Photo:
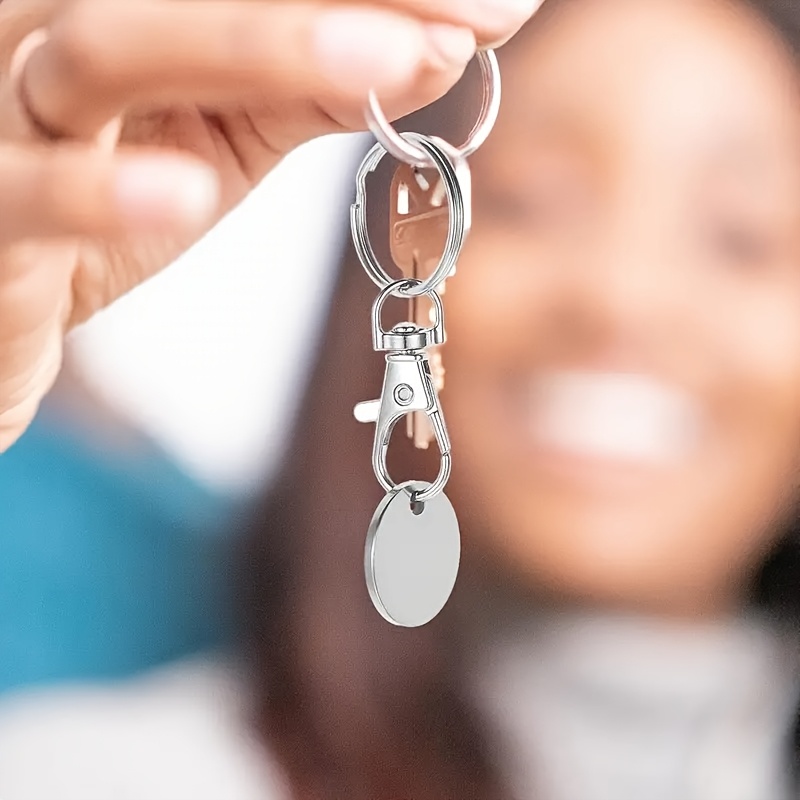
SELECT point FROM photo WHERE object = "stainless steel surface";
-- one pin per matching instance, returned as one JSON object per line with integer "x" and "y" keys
{"x": 407, "y": 379}
{"x": 412, "y": 555}
{"x": 404, "y": 335}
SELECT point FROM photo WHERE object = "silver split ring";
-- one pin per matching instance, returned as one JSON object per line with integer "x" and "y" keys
{"x": 406, "y": 151}
{"x": 458, "y": 222}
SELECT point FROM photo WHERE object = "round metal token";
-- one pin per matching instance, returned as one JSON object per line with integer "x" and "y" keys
{"x": 411, "y": 557}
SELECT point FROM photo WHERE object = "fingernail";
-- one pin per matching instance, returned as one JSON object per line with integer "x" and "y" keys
{"x": 508, "y": 9}
{"x": 156, "y": 192}
{"x": 358, "y": 49}
{"x": 455, "y": 45}
{"x": 498, "y": 20}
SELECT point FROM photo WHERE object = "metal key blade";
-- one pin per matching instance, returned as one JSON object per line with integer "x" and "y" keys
{"x": 419, "y": 220}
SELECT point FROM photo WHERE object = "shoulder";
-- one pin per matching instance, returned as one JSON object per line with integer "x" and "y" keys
{"x": 176, "y": 734}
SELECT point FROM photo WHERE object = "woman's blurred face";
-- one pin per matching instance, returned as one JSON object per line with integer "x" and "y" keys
{"x": 623, "y": 372}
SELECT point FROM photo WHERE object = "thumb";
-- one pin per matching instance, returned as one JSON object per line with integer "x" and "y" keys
{"x": 19, "y": 118}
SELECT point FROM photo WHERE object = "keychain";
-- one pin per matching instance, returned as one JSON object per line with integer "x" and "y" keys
{"x": 413, "y": 545}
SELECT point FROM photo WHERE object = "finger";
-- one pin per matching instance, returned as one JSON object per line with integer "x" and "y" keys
{"x": 102, "y": 58}
{"x": 20, "y": 120}
{"x": 492, "y": 21}
{"x": 77, "y": 191}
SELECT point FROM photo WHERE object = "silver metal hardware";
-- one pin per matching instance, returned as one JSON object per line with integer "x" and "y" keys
{"x": 413, "y": 545}
{"x": 407, "y": 388}
{"x": 407, "y": 335}
{"x": 411, "y": 557}
{"x": 455, "y": 175}
{"x": 404, "y": 150}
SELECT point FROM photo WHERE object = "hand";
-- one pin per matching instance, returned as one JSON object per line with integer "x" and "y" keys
{"x": 128, "y": 128}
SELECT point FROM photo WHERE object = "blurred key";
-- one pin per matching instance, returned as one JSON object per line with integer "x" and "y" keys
{"x": 419, "y": 220}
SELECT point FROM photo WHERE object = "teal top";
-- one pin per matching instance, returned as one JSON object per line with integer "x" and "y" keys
{"x": 107, "y": 566}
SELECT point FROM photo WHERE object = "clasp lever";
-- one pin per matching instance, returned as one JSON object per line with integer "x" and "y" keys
{"x": 407, "y": 388}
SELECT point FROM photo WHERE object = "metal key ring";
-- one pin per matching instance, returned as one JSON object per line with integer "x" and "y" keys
{"x": 458, "y": 222}
{"x": 403, "y": 150}
{"x": 436, "y": 488}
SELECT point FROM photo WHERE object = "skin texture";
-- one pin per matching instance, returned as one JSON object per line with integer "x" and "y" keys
{"x": 634, "y": 215}
{"x": 169, "y": 113}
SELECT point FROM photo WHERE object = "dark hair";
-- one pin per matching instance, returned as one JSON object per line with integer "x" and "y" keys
{"x": 352, "y": 707}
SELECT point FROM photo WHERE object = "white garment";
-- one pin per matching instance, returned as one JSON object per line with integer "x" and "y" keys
{"x": 585, "y": 709}
{"x": 178, "y": 734}
{"x": 625, "y": 708}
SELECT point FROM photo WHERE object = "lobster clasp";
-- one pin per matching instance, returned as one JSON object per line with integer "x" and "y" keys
{"x": 407, "y": 388}
{"x": 406, "y": 336}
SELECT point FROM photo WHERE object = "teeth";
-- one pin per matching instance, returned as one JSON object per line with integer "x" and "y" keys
{"x": 614, "y": 416}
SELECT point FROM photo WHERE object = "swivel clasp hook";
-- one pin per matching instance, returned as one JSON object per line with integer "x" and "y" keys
{"x": 407, "y": 388}
{"x": 406, "y": 336}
